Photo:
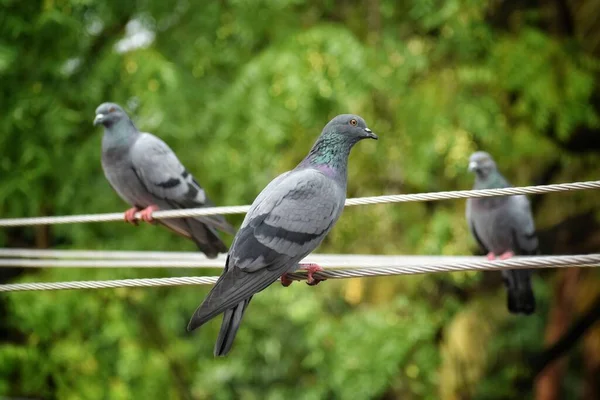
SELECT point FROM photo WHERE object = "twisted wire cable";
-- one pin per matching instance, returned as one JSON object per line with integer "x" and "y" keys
{"x": 397, "y": 198}
{"x": 589, "y": 260}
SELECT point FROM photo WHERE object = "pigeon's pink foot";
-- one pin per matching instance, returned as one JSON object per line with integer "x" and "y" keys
{"x": 310, "y": 280}
{"x": 311, "y": 269}
{"x": 491, "y": 256}
{"x": 506, "y": 255}
{"x": 130, "y": 215}
{"x": 146, "y": 213}
{"x": 285, "y": 281}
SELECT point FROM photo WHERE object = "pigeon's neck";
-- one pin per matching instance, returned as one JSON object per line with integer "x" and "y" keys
{"x": 493, "y": 180}
{"x": 330, "y": 156}
{"x": 120, "y": 134}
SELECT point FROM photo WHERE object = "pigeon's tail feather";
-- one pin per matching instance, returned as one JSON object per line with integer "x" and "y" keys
{"x": 520, "y": 294}
{"x": 229, "y": 327}
{"x": 202, "y": 230}
{"x": 205, "y": 237}
{"x": 521, "y": 302}
{"x": 211, "y": 245}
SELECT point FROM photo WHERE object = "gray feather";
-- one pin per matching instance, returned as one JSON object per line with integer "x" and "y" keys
{"x": 144, "y": 171}
{"x": 286, "y": 222}
{"x": 501, "y": 224}
{"x": 232, "y": 318}
{"x": 278, "y": 232}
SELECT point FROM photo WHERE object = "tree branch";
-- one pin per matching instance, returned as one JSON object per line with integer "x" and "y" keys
{"x": 565, "y": 17}
{"x": 540, "y": 361}
{"x": 568, "y": 340}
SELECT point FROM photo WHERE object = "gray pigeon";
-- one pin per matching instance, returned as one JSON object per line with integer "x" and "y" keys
{"x": 503, "y": 226}
{"x": 286, "y": 222}
{"x": 146, "y": 173}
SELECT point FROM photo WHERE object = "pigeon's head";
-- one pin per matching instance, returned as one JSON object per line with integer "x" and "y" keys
{"x": 108, "y": 114}
{"x": 350, "y": 127}
{"x": 482, "y": 164}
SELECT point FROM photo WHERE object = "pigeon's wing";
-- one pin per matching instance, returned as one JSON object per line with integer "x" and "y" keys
{"x": 166, "y": 179}
{"x": 268, "y": 191}
{"x": 522, "y": 225}
{"x": 288, "y": 220}
{"x": 291, "y": 219}
{"x": 471, "y": 224}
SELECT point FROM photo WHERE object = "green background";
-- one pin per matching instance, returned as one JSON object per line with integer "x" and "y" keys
{"x": 240, "y": 90}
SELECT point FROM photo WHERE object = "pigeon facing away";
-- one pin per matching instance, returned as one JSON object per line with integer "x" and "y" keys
{"x": 503, "y": 226}
{"x": 286, "y": 222}
{"x": 146, "y": 173}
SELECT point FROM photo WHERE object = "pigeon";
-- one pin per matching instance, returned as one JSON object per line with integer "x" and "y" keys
{"x": 503, "y": 226}
{"x": 145, "y": 172}
{"x": 286, "y": 222}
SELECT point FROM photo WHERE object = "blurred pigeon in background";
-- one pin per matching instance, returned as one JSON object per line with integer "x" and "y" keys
{"x": 146, "y": 173}
{"x": 503, "y": 226}
{"x": 286, "y": 222}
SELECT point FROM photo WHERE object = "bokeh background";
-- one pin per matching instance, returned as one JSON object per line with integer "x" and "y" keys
{"x": 240, "y": 89}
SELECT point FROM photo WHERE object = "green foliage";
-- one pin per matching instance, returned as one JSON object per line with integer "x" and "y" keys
{"x": 240, "y": 90}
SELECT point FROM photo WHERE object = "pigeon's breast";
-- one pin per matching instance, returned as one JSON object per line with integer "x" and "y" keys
{"x": 123, "y": 178}
{"x": 493, "y": 224}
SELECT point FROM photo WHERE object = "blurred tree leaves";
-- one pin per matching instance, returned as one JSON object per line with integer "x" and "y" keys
{"x": 240, "y": 90}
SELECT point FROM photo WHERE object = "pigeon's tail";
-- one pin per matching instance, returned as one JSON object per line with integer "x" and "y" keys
{"x": 520, "y": 294}
{"x": 206, "y": 238}
{"x": 229, "y": 327}
{"x": 210, "y": 244}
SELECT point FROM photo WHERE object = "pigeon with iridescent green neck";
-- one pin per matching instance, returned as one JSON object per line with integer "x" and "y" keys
{"x": 286, "y": 222}
{"x": 503, "y": 226}
{"x": 146, "y": 173}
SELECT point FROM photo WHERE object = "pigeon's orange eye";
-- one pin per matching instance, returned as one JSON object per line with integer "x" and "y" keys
{"x": 353, "y": 122}
{"x": 112, "y": 109}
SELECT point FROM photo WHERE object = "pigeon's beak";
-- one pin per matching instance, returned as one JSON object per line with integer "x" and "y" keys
{"x": 98, "y": 120}
{"x": 370, "y": 134}
{"x": 473, "y": 166}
